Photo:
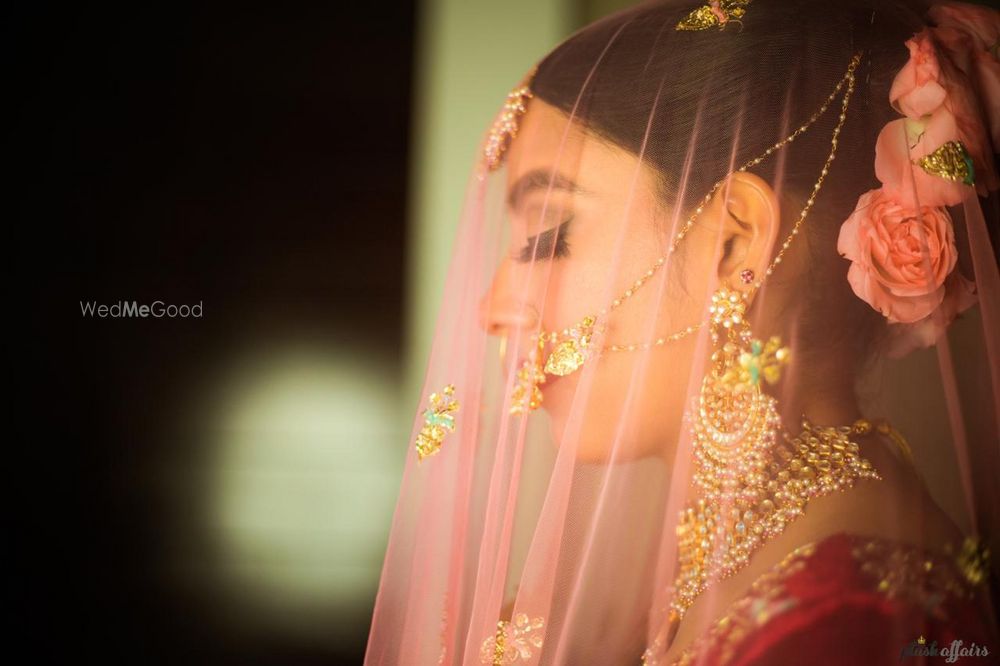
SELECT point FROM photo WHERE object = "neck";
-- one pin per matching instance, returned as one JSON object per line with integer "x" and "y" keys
{"x": 829, "y": 400}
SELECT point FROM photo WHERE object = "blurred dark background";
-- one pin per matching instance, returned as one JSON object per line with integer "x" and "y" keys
{"x": 219, "y": 490}
{"x": 253, "y": 161}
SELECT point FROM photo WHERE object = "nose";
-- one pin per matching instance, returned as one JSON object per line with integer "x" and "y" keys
{"x": 502, "y": 315}
{"x": 502, "y": 310}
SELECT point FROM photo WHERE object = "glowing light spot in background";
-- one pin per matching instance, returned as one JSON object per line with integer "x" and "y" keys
{"x": 306, "y": 479}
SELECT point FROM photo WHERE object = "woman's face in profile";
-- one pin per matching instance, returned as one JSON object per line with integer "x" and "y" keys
{"x": 586, "y": 221}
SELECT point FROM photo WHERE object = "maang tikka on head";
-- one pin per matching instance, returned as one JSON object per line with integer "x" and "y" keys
{"x": 505, "y": 126}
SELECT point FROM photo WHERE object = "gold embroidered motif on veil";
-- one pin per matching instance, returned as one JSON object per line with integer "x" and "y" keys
{"x": 512, "y": 641}
{"x": 439, "y": 421}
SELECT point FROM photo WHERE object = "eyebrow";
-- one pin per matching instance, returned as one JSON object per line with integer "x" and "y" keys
{"x": 539, "y": 179}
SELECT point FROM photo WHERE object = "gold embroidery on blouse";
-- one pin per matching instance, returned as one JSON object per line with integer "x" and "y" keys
{"x": 973, "y": 559}
{"x": 512, "y": 641}
{"x": 902, "y": 571}
{"x": 906, "y": 572}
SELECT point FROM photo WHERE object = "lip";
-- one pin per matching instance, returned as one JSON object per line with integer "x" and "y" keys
{"x": 549, "y": 381}
{"x": 511, "y": 365}
{"x": 508, "y": 362}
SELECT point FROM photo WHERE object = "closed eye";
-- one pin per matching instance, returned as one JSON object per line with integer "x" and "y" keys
{"x": 550, "y": 243}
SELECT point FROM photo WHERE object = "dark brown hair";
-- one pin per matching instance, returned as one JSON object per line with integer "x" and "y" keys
{"x": 633, "y": 71}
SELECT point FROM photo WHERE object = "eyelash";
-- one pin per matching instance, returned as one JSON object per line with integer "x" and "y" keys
{"x": 541, "y": 246}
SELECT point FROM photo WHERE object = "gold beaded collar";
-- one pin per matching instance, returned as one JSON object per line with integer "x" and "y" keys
{"x": 748, "y": 498}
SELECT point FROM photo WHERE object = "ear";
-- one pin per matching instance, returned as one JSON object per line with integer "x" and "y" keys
{"x": 750, "y": 219}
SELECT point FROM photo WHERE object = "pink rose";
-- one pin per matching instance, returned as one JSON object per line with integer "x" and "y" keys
{"x": 900, "y": 256}
{"x": 959, "y": 295}
{"x": 917, "y": 90}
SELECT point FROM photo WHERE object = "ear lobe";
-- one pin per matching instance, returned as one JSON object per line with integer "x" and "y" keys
{"x": 750, "y": 226}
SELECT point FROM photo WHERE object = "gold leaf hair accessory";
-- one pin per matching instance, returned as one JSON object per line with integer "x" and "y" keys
{"x": 439, "y": 421}
{"x": 505, "y": 127}
{"x": 952, "y": 162}
{"x": 715, "y": 14}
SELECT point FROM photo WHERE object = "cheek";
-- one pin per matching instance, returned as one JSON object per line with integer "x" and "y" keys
{"x": 569, "y": 294}
{"x": 634, "y": 405}
{"x": 635, "y": 401}
{"x": 578, "y": 284}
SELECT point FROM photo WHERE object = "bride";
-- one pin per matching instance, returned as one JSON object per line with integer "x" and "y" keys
{"x": 716, "y": 374}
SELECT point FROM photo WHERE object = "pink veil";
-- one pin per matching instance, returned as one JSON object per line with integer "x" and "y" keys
{"x": 537, "y": 522}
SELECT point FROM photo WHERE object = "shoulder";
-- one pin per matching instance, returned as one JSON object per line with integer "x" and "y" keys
{"x": 850, "y": 599}
{"x": 895, "y": 505}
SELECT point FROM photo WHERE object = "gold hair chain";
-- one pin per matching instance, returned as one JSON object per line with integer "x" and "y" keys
{"x": 847, "y": 80}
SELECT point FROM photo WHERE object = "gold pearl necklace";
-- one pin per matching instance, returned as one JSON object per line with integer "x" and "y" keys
{"x": 749, "y": 497}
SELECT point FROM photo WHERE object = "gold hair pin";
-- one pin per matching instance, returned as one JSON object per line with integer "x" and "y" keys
{"x": 716, "y": 14}
{"x": 951, "y": 161}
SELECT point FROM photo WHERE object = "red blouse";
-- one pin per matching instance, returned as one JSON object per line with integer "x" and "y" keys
{"x": 851, "y": 599}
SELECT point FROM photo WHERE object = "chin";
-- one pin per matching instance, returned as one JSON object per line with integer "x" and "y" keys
{"x": 595, "y": 437}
